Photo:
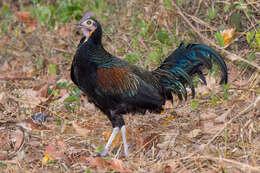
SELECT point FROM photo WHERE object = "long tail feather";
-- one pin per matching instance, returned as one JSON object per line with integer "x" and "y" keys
{"x": 186, "y": 61}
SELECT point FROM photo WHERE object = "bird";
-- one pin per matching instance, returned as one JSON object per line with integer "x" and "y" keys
{"x": 117, "y": 87}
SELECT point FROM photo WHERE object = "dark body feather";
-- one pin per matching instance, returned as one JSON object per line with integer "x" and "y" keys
{"x": 117, "y": 87}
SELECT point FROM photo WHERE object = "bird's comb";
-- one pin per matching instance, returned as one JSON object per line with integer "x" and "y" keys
{"x": 87, "y": 15}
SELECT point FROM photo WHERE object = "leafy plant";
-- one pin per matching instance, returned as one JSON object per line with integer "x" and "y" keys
{"x": 131, "y": 58}
{"x": 213, "y": 98}
{"x": 225, "y": 91}
{"x": 220, "y": 39}
{"x": 194, "y": 105}
{"x": 212, "y": 13}
{"x": 6, "y": 16}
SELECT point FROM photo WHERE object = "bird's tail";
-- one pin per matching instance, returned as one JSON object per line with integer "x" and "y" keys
{"x": 178, "y": 68}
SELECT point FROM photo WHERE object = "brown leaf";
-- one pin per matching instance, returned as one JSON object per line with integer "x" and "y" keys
{"x": 222, "y": 118}
{"x": 79, "y": 130}
{"x": 43, "y": 91}
{"x": 3, "y": 98}
{"x": 148, "y": 141}
{"x": 98, "y": 163}
{"x": 25, "y": 17}
{"x": 233, "y": 73}
{"x": 208, "y": 116}
{"x": 30, "y": 124}
{"x": 117, "y": 165}
{"x": 19, "y": 139}
{"x": 30, "y": 97}
{"x": 62, "y": 145}
{"x": 194, "y": 133}
{"x": 53, "y": 151}
{"x": 211, "y": 128}
{"x": 170, "y": 168}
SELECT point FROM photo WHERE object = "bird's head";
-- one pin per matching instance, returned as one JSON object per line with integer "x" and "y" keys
{"x": 88, "y": 24}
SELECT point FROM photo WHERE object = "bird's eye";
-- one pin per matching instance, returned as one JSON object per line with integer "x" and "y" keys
{"x": 89, "y": 22}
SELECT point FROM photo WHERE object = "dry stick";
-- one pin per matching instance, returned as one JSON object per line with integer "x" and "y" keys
{"x": 232, "y": 56}
{"x": 16, "y": 78}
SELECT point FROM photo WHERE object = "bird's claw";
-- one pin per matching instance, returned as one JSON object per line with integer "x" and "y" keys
{"x": 103, "y": 153}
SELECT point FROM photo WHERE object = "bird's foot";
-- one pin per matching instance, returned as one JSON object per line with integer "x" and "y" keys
{"x": 103, "y": 153}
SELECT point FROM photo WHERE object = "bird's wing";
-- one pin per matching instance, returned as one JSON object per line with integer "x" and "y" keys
{"x": 117, "y": 80}
{"x": 122, "y": 82}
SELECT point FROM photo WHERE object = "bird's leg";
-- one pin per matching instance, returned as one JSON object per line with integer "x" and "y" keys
{"x": 110, "y": 140}
{"x": 123, "y": 131}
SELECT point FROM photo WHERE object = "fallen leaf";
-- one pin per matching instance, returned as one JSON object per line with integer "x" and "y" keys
{"x": 194, "y": 133}
{"x": 208, "y": 116}
{"x": 3, "y": 98}
{"x": 62, "y": 145}
{"x": 228, "y": 35}
{"x": 54, "y": 151}
{"x": 98, "y": 163}
{"x": 25, "y": 17}
{"x": 80, "y": 130}
{"x": 19, "y": 138}
{"x": 211, "y": 128}
{"x": 30, "y": 97}
{"x": 30, "y": 124}
{"x": 222, "y": 118}
{"x": 148, "y": 141}
{"x": 43, "y": 91}
{"x": 117, "y": 165}
{"x": 170, "y": 168}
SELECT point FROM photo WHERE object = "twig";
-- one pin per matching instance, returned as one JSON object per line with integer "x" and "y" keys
{"x": 231, "y": 56}
{"x": 16, "y": 78}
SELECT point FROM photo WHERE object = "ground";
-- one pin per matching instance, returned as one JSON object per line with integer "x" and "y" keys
{"x": 217, "y": 131}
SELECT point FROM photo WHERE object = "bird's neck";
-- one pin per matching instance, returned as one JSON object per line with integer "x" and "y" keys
{"x": 96, "y": 36}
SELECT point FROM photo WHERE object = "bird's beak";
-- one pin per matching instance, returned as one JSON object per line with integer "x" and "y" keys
{"x": 78, "y": 25}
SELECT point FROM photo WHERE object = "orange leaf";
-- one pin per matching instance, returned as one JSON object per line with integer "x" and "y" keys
{"x": 25, "y": 17}
{"x": 228, "y": 35}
